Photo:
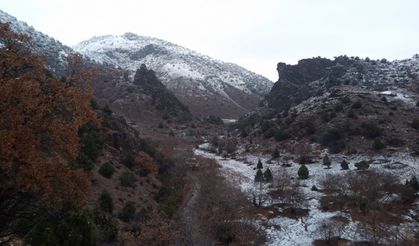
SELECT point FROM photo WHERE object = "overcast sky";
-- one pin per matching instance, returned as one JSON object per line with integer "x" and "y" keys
{"x": 255, "y": 34}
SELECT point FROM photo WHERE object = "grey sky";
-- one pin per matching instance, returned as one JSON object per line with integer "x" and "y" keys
{"x": 255, "y": 34}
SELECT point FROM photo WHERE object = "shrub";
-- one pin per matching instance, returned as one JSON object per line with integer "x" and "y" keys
{"x": 326, "y": 161}
{"x": 82, "y": 161}
{"x": 309, "y": 127}
{"x": 214, "y": 120}
{"x": 147, "y": 164}
{"x": 325, "y": 116}
{"x": 105, "y": 202}
{"x": 91, "y": 143}
{"x": 334, "y": 140}
{"x": 127, "y": 179}
{"x": 107, "y": 170}
{"x": 129, "y": 160}
{"x": 362, "y": 165}
{"x": 275, "y": 153}
{"x": 351, "y": 114}
{"x": 377, "y": 144}
{"x": 371, "y": 130}
{"x": 106, "y": 225}
{"x": 305, "y": 159}
{"x": 413, "y": 183}
{"x": 107, "y": 110}
{"x": 345, "y": 100}
{"x": 231, "y": 146}
{"x": 72, "y": 229}
{"x": 338, "y": 108}
{"x": 94, "y": 104}
{"x": 415, "y": 124}
{"x": 331, "y": 135}
{"x": 265, "y": 126}
{"x": 280, "y": 135}
{"x": 243, "y": 133}
{"x": 303, "y": 172}
{"x": 128, "y": 211}
{"x": 357, "y": 105}
{"x": 344, "y": 165}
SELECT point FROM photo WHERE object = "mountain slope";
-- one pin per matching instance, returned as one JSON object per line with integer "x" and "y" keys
{"x": 347, "y": 105}
{"x": 110, "y": 85}
{"x": 55, "y": 52}
{"x": 205, "y": 85}
{"x": 317, "y": 75}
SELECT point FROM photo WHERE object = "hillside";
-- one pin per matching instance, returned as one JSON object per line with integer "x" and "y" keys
{"x": 345, "y": 104}
{"x": 311, "y": 77}
{"x": 331, "y": 157}
{"x": 111, "y": 86}
{"x": 72, "y": 171}
{"x": 132, "y": 140}
{"x": 206, "y": 86}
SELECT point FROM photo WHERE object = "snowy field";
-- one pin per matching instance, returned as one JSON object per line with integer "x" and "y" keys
{"x": 287, "y": 231}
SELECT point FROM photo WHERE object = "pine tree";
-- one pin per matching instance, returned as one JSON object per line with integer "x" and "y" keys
{"x": 326, "y": 161}
{"x": 413, "y": 183}
{"x": 303, "y": 172}
{"x": 344, "y": 165}
{"x": 267, "y": 175}
{"x": 141, "y": 76}
{"x": 105, "y": 202}
{"x": 259, "y": 166}
{"x": 259, "y": 176}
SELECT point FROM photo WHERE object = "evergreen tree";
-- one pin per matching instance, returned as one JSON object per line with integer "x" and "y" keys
{"x": 107, "y": 110}
{"x": 267, "y": 175}
{"x": 275, "y": 153}
{"x": 344, "y": 165}
{"x": 141, "y": 75}
{"x": 362, "y": 165}
{"x": 259, "y": 176}
{"x": 107, "y": 170}
{"x": 303, "y": 172}
{"x": 128, "y": 211}
{"x": 413, "y": 183}
{"x": 259, "y": 166}
{"x": 326, "y": 161}
{"x": 105, "y": 202}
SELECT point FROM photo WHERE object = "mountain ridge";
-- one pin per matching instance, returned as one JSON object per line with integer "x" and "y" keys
{"x": 193, "y": 77}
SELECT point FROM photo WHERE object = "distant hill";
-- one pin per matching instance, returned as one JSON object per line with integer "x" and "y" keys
{"x": 347, "y": 105}
{"x": 207, "y": 86}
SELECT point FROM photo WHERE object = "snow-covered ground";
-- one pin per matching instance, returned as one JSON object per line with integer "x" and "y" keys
{"x": 287, "y": 231}
{"x": 400, "y": 95}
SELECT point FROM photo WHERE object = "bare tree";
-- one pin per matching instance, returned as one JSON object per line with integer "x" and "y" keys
{"x": 331, "y": 228}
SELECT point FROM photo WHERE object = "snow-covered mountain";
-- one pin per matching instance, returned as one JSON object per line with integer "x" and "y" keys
{"x": 54, "y": 51}
{"x": 318, "y": 75}
{"x": 138, "y": 103}
{"x": 207, "y": 86}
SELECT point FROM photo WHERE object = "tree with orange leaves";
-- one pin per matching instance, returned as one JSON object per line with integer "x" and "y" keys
{"x": 40, "y": 117}
{"x": 146, "y": 164}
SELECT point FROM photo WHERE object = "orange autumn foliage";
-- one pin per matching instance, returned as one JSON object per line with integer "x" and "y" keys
{"x": 40, "y": 117}
{"x": 146, "y": 163}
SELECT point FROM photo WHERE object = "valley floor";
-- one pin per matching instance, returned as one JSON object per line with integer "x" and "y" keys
{"x": 305, "y": 229}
